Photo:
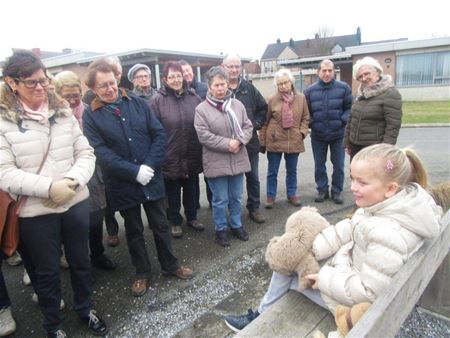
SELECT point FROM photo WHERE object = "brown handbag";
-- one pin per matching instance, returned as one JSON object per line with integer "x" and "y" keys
{"x": 9, "y": 222}
{"x": 9, "y": 215}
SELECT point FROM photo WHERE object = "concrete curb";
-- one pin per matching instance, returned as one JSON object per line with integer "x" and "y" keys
{"x": 427, "y": 125}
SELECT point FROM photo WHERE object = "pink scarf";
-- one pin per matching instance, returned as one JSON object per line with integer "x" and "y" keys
{"x": 40, "y": 115}
{"x": 78, "y": 113}
{"x": 287, "y": 115}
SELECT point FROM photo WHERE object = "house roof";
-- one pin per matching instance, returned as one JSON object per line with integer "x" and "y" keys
{"x": 311, "y": 47}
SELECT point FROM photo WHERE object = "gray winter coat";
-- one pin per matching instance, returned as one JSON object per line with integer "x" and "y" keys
{"x": 214, "y": 133}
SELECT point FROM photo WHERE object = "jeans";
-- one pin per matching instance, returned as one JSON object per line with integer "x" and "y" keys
{"x": 337, "y": 156}
{"x": 252, "y": 182}
{"x": 291, "y": 173}
{"x": 134, "y": 230}
{"x": 4, "y": 298}
{"x": 96, "y": 233}
{"x": 40, "y": 248}
{"x": 227, "y": 192}
{"x": 190, "y": 199}
{"x": 280, "y": 285}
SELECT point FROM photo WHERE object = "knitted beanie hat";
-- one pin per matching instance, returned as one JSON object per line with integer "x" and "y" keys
{"x": 135, "y": 68}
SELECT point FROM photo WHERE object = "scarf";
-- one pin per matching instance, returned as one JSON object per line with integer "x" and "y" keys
{"x": 383, "y": 84}
{"x": 287, "y": 115}
{"x": 224, "y": 105}
{"x": 40, "y": 115}
{"x": 78, "y": 113}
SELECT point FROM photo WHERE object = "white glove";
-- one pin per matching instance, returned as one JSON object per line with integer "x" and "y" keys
{"x": 145, "y": 174}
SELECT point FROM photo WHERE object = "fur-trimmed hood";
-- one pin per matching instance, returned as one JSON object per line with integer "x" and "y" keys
{"x": 12, "y": 110}
{"x": 376, "y": 89}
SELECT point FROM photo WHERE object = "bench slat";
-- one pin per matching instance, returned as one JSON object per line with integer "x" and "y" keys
{"x": 293, "y": 315}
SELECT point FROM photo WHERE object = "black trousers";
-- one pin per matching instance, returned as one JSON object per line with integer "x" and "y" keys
{"x": 134, "y": 230}
{"x": 96, "y": 233}
{"x": 40, "y": 247}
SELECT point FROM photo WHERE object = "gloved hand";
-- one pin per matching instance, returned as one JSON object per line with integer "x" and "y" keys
{"x": 145, "y": 174}
{"x": 262, "y": 149}
{"x": 49, "y": 203}
{"x": 63, "y": 191}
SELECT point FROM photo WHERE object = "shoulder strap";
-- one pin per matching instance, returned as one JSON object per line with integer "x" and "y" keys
{"x": 22, "y": 199}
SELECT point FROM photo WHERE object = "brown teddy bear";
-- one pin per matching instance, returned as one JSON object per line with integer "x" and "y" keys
{"x": 291, "y": 252}
{"x": 345, "y": 318}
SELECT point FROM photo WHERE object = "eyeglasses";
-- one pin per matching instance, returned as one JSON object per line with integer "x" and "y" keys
{"x": 175, "y": 77}
{"x": 106, "y": 85}
{"x": 284, "y": 83}
{"x": 31, "y": 84}
{"x": 141, "y": 77}
{"x": 72, "y": 97}
{"x": 233, "y": 66}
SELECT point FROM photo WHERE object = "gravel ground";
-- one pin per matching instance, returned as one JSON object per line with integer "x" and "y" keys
{"x": 422, "y": 325}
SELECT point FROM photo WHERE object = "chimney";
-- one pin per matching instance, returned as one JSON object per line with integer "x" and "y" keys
{"x": 278, "y": 40}
{"x": 37, "y": 52}
{"x": 358, "y": 35}
{"x": 291, "y": 42}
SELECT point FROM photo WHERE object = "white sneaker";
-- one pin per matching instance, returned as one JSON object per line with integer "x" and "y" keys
{"x": 14, "y": 260}
{"x": 7, "y": 322}
{"x": 26, "y": 279}
{"x": 35, "y": 299}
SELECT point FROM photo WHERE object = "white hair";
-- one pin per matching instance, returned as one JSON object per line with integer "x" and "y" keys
{"x": 283, "y": 72}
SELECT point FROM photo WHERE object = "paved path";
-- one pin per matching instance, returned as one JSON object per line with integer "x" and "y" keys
{"x": 227, "y": 280}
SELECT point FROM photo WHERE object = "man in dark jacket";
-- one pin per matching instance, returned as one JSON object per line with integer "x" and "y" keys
{"x": 200, "y": 88}
{"x": 329, "y": 103}
{"x": 130, "y": 144}
{"x": 256, "y": 108}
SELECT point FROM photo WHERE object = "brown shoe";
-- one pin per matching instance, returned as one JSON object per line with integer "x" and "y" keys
{"x": 139, "y": 287}
{"x": 270, "y": 202}
{"x": 295, "y": 201}
{"x": 257, "y": 216}
{"x": 113, "y": 240}
{"x": 182, "y": 273}
{"x": 196, "y": 225}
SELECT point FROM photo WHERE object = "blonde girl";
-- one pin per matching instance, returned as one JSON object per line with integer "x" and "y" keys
{"x": 394, "y": 218}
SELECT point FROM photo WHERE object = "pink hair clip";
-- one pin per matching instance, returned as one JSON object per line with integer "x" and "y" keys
{"x": 389, "y": 165}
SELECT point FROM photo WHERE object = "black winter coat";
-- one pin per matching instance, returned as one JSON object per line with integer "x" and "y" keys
{"x": 256, "y": 108}
{"x": 123, "y": 139}
{"x": 329, "y": 107}
{"x": 176, "y": 114}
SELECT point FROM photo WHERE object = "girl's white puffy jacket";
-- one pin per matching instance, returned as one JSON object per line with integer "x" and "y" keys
{"x": 373, "y": 245}
{"x": 23, "y": 144}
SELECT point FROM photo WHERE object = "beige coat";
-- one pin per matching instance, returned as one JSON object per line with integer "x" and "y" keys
{"x": 277, "y": 139}
{"x": 23, "y": 144}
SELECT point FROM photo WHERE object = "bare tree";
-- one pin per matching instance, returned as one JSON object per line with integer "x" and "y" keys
{"x": 323, "y": 40}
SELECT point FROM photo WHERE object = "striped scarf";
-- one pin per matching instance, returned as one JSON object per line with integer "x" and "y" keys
{"x": 224, "y": 105}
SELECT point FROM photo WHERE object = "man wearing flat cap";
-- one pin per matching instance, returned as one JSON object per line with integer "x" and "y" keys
{"x": 141, "y": 77}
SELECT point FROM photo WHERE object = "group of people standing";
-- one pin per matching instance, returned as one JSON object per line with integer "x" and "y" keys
{"x": 147, "y": 147}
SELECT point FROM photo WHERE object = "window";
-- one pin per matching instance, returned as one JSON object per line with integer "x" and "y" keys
{"x": 423, "y": 69}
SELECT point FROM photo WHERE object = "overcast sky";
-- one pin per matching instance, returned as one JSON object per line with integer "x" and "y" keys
{"x": 244, "y": 27}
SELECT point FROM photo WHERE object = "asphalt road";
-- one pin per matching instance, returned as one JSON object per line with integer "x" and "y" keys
{"x": 228, "y": 280}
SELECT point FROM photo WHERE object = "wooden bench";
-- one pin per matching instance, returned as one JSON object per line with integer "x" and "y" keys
{"x": 296, "y": 316}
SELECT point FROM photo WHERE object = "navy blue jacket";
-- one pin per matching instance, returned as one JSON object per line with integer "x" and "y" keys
{"x": 200, "y": 88}
{"x": 123, "y": 139}
{"x": 329, "y": 106}
{"x": 256, "y": 108}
